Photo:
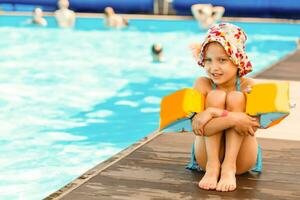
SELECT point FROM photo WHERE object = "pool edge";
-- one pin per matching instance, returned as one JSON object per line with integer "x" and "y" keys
{"x": 101, "y": 166}
{"x": 163, "y": 17}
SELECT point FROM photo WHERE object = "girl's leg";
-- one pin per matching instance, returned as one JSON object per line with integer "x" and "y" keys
{"x": 208, "y": 150}
{"x": 240, "y": 151}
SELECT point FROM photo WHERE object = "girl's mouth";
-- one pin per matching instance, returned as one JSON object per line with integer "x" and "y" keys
{"x": 216, "y": 75}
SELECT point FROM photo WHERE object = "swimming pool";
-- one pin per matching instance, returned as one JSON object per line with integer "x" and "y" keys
{"x": 72, "y": 98}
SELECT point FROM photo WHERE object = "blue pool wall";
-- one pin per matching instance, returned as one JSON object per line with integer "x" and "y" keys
{"x": 120, "y": 6}
{"x": 246, "y": 8}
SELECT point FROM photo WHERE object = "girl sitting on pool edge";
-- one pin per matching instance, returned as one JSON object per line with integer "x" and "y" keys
{"x": 225, "y": 143}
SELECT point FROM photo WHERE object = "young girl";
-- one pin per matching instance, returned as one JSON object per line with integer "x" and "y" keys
{"x": 225, "y": 143}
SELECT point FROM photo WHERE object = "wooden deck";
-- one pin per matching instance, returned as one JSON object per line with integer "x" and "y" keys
{"x": 286, "y": 69}
{"x": 154, "y": 168}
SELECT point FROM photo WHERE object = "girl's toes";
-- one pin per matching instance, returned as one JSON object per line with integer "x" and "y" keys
{"x": 207, "y": 186}
{"x": 227, "y": 188}
{"x": 212, "y": 186}
{"x": 224, "y": 188}
{"x": 232, "y": 187}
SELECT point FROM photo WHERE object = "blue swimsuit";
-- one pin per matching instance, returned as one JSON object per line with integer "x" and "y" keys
{"x": 193, "y": 165}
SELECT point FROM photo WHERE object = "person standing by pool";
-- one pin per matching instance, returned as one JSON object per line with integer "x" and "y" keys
{"x": 38, "y": 18}
{"x": 64, "y": 16}
{"x": 225, "y": 143}
{"x": 113, "y": 20}
{"x": 207, "y": 14}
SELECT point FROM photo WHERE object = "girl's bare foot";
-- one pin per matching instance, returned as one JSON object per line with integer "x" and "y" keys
{"x": 227, "y": 181}
{"x": 210, "y": 179}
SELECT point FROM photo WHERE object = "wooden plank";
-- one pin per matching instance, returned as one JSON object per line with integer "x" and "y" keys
{"x": 156, "y": 170}
{"x": 286, "y": 69}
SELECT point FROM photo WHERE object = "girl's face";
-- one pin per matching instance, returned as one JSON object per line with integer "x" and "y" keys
{"x": 218, "y": 65}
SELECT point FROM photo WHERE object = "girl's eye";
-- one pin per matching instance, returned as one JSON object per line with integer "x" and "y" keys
{"x": 207, "y": 60}
{"x": 223, "y": 60}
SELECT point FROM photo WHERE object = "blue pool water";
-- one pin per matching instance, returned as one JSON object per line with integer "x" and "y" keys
{"x": 72, "y": 98}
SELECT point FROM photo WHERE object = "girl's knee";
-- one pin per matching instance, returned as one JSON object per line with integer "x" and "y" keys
{"x": 216, "y": 98}
{"x": 235, "y": 101}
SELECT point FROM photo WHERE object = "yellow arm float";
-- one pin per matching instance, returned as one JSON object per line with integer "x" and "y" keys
{"x": 270, "y": 101}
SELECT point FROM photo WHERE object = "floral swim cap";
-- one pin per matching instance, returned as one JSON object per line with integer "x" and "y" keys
{"x": 233, "y": 39}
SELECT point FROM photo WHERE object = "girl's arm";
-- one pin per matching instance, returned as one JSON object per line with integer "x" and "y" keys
{"x": 203, "y": 85}
{"x": 242, "y": 123}
{"x": 211, "y": 121}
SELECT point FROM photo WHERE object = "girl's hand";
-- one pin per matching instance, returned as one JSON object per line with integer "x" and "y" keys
{"x": 199, "y": 121}
{"x": 244, "y": 124}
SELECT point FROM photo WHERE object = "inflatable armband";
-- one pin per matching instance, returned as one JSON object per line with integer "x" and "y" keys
{"x": 180, "y": 105}
{"x": 270, "y": 101}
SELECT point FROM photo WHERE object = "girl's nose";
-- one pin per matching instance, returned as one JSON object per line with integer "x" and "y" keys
{"x": 214, "y": 66}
